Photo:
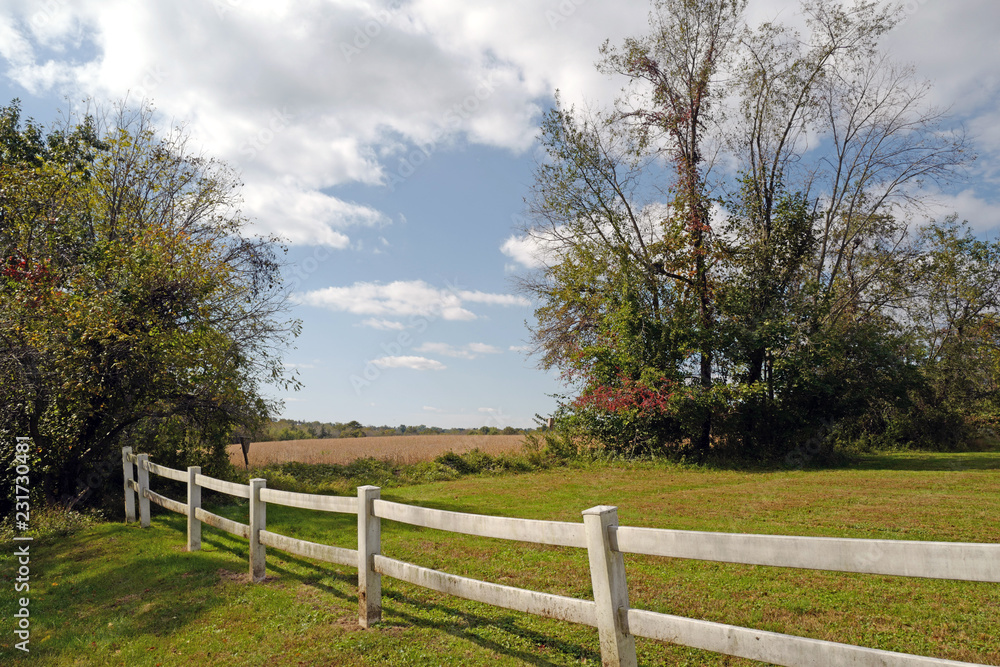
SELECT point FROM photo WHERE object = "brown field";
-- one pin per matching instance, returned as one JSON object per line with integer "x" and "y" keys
{"x": 397, "y": 448}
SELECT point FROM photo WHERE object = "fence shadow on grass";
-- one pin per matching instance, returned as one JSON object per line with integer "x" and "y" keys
{"x": 507, "y": 622}
{"x": 312, "y": 573}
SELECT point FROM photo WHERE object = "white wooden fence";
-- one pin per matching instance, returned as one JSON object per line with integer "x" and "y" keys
{"x": 606, "y": 542}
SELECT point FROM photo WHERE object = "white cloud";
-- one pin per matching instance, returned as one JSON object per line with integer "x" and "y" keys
{"x": 520, "y": 348}
{"x": 303, "y": 216}
{"x": 528, "y": 251}
{"x": 414, "y": 363}
{"x": 383, "y": 325}
{"x": 413, "y": 298}
{"x": 300, "y": 99}
{"x": 981, "y": 213}
{"x": 493, "y": 299}
{"x": 469, "y": 351}
{"x": 299, "y": 95}
{"x": 429, "y": 408}
{"x": 483, "y": 348}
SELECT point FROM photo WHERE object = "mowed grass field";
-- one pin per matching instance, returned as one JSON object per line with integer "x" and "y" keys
{"x": 121, "y": 595}
{"x": 396, "y": 448}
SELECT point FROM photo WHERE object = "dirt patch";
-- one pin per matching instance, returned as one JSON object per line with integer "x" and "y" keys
{"x": 229, "y": 575}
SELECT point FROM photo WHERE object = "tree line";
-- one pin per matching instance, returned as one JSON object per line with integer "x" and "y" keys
{"x": 291, "y": 429}
{"x": 737, "y": 256}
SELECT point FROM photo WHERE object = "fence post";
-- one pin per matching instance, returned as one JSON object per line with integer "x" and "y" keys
{"x": 607, "y": 573}
{"x": 194, "y": 502}
{"x": 129, "y": 491}
{"x": 258, "y": 522}
{"x": 143, "y": 473}
{"x": 369, "y": 544}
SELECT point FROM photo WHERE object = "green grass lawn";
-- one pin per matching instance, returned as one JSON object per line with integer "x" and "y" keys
{"x": 115, "y": 594}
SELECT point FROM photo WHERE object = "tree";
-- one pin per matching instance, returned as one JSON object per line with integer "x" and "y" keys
{"x": 726, "y": 245}
{"x": 131, "y": 303}
{"x": 678, "y": 63}
{"x": 952, "y": 307}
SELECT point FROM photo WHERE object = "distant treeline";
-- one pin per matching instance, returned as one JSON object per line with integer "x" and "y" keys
{"x": 289, "y": 429}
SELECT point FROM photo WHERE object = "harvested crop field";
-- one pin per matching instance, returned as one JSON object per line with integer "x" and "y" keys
{"x": 399, "y": 448}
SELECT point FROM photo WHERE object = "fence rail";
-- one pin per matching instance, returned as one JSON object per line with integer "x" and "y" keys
{"x": 555, "y": 533}
{"x": 606, "y": 543}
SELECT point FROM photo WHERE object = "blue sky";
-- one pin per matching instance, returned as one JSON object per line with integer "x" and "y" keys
{"x": 391, "y": 144}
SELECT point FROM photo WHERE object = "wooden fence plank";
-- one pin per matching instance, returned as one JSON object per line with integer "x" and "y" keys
{"x": 323, "y": 552}
{"x": 168, "y": 503}
{"x": 310, "y": 501}
{"x": 143, "y": 474}
{"x": 607, "y": 576}
{"x": 936, "y": 560}
{"x": 369, "y": 545}
{"x": 127, "y": 474}
{"x": 238, "y": 490}
{"x": 194, "y": 503}
{"x": 770, "y": 647}
{"x": 222, "y": 523}
{"x": 556, "y": 533}
{"x": 258, "y": 522}
{"x": 169, "y": 473}
{"x": 507, "y": 597}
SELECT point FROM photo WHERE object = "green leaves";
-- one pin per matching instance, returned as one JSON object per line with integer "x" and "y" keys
{"x": 129, "y": 299}
{"x": 806, "y": 308}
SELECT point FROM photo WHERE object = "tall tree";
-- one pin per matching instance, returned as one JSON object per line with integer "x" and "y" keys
{"x": 737, "y": 221}
{"x": 678, "y": 63}
{"x": 130, "y": 299}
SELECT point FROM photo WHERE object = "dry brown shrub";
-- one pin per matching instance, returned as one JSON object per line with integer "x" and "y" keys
{"x": 398, "y": 448}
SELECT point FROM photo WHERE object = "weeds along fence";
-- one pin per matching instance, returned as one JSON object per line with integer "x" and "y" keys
{"x": 606, "y": 543}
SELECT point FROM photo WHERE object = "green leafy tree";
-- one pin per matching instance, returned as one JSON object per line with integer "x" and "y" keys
{"x": 131, "y": 303}
{"x": 715, "y": 279}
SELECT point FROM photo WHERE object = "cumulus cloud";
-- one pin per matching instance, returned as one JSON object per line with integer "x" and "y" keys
{"x": 529, "y": 251}
{"x": 303, "y": 97}
{"x": 315, "y": 95}
{"x": 468, "y": 351}
{"x": 414, "y": 363}
{"x": 383, "y": 325}
{"x": 493, "y": 299}
{"x": 982, "y": 214}
{"x": 413, "y": 298}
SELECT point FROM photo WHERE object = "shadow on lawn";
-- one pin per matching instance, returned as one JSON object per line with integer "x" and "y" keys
{"x": 508, "y": 622}
{"x": 343, "y": 585}
{"x": 930, "y": 461}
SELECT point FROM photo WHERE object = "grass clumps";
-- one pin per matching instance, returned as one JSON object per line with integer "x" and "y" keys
{"x": 343, "y": 479}
{"x": 49, "y": 521}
